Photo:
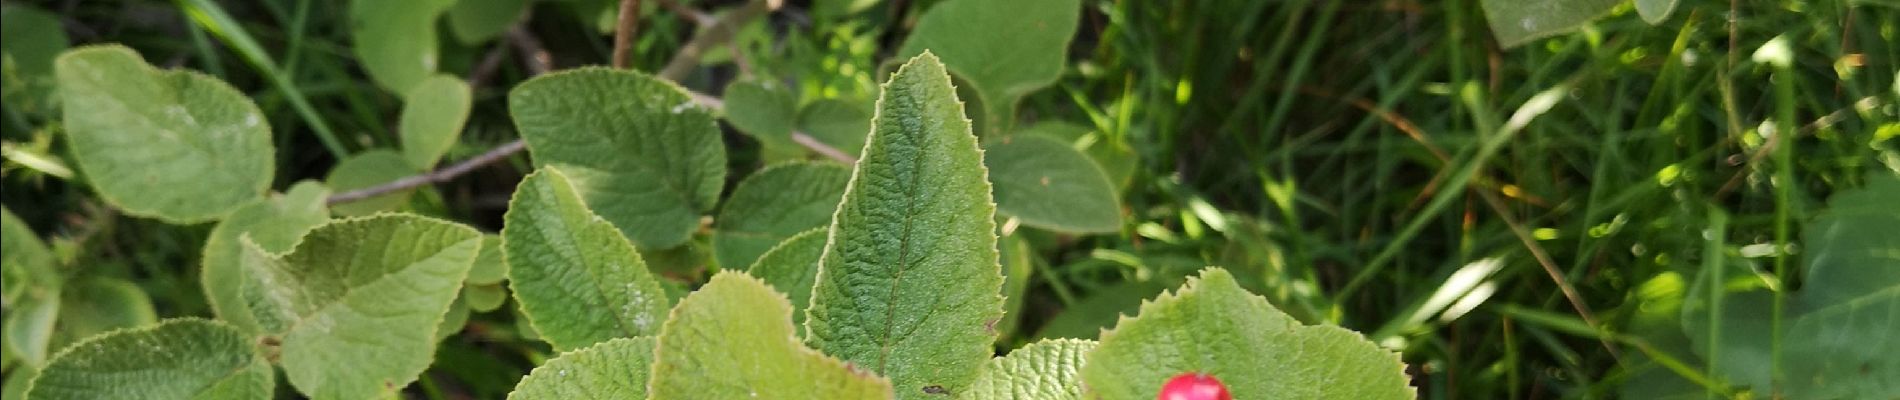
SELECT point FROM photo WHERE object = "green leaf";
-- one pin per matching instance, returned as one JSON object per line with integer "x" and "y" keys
{"x": 1115, "y": 157}
{"x": 1516, "y": 22}
{"x": 484, "y": 298}
{"x": 34, "y": 38}
{"x": 356, "y": 304}
{"x": 489, "y": 268}
{"x": 774, "y": 204}
{"x": 643, "y": 155}
{"x": 175, "y": 145}
{"x": 792, "y": 267}
{"x": 96, "y": 305}
{"x": 1656, "y": 11}
{"x": 395, "y": 40}
{"x": 839, "y": 123}
{"x": 577, "y": 280}
{"x": 1046, "y": 370}
{"x": 30, "y": 324}
{"x": 1842, "y": 345}
{"x": 733, "y": 339}
{"x": 477, "y": 21}
{"x": 433, "y": 113}
{"x": 614, "y": 369}
{"x": 176, "y": 359}
{"x": 1005, "y": 48}
{"x": 1088, "y": 317}
{"x": 24, "y": 259}
{"x": 369, "y": 169}
{"x": 1018, "y": 262}
{"x": 909, "y": 283}
{"x": 1047, "y": 184}
{"x": 760, "y": 108}
{"x": 453, "y": 320}
{"x": 1213, "y": 326}
{"x": 274, "y": 224}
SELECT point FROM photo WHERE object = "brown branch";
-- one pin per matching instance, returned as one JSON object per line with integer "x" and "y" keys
{"x": 718, "y": 33}
{"x": 623, "y": 33}
{"x": 438, "y": 176}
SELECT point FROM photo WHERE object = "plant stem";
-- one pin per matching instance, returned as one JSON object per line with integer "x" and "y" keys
{"x": 623, "y": 33}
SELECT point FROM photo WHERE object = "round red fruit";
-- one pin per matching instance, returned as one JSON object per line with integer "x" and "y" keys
{"x": 1194, "y": 386}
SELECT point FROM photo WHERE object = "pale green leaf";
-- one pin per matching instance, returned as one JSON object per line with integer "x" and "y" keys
{"x": 356, "y": 304}
{"x": 368, "y": 169}
{"x": 1213, "y": 326}
{"x": 792, "y": 267}
{"x": 34, "y": 38}
{"x": 1018, "y": 261}
{"x": 96, "y": 305}
{"x": 1047, "y": 184}
{"x": 1516, "y": 22}
{"x": 477, "y": 21}
{"x": 275, "y": 224}
{"x": 763, "y": 109}
{"x": 453, "y": 320}
{"x": 614, "y": 369}
{"x": 1006, "y": 48}
{"x": 1115, "y": 157}
{"x": 484, "y": 298}
{"x": 642, "y": 153}
{"x": 774, "y": 204}
{"x": 839, "y": 123}
{"x": 909, "y": 283}
{"x": 1656, "y": 11}
{"x": 433, "y": 113}
{"x": 733, "y": 339}
{"x": 1045, "y": 370}
{"x": 576, "y": 279}
{"x": 395, "y": 40}
{"x": 489, "y": 268}
{"x": 176, "y": 359}
{"x": 24, "y": 259}
{"x": 30, "y": 325}
{"x": 175, "y": 145}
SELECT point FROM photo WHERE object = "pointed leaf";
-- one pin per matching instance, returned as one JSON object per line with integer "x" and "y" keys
{"x": 433, "y": 113}
{"x": 578, "y": 281}
{"x": 1516, "y": 22}
{"x": 1049, "y": 185}
{"x": 792, "y": 267}
{"x": 642, "y": 153}
{"x": 356, "y": 304}
{"x": 1045, "y": 370}
{"x": 275, "y": 224}
{"x": 1005, "y": 48}
{"x": 395, "y": 40}
{"x": 173, "y": 145}
{"x": 177, "y": 359}
{"x": 368, "y": 169}
{"x": 774, "y": 204}
{"x": 614, "y": 369}
{"x": 733, "y": 339}
{"x": 909, "y": 283}
{"x": 1213, "y": 326}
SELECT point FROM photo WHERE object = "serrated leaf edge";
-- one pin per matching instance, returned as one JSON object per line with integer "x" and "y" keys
{"x": 782, "y": 303}
{"x": 256, "y": 356}
{"x": 509, "y": 278}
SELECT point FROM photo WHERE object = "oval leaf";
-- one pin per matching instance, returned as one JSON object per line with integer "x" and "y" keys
{"x": 643, "y": 155}
{"x": 174, "y": 145}
{"x": 1517, "y": 22}
{"x": 614, "y": 369}
{"x": 792, "y": 267}
{"x": 839, "y": 123}
{"x": 273, "y": 224}
{"x": 578, "y": 281}
{"x": 489, "y": 268}
{"x": 477, "y": 21}
{"x": 733, "y": 339}
{"x": 1656, "y": 11}
{"x": 762, "y": 109}
{"x": 395, "y": 40}
{"x": 1045, "y": 370}
{"x": 774, "y": 204}
{"x": 1006, "y": 48}
{"x": 1047, "y": 184}
{"x": 433, "y": 113}
{"x": 177, "y": 359}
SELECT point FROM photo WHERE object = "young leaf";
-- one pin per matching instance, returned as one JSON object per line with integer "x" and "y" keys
{"x": 839, "y": 123}
{"x": 1516, "y": 22}
{"x": 733, "y": 339}
{"x": 395, "y": 40}
{"x": 1213, "y": 326}
{"x": 643, "y": 155}
{"x": 34, "y": 38}
{"x": 792, "y": 267}
{"x": 1005, "y": 48}
{"x": 477, "y": 21}
{"x": 275, "y": 224}
{"x": 1045, "y": 370}
{"x": 614, "y": 369}
{"x": 762, "y": 109}
{"x": 368, "y": 169}
{"x": 773, "y": 204}
{"x": 578, "y": 281}
{"x": 908, "y": 285}
{"x": 1047, "y": 184}
{"x": 433, "y": 113}
{"x": 1656, "y": 11}
{"x": 489, "y": 268}
{"x": 356, "y": 304}
{"x": 174, "y": 145}
{"x": 176, "y": 359}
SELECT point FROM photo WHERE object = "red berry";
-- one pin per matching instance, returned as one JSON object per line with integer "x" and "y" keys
{"x": 1194, "y": 386}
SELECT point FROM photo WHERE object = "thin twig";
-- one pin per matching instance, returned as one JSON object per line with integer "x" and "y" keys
{"x": 532, "y": 53}
{"x": 623, "y": 33}
{"x": 438, "y": 176}
{"x": 719, "y": 32}
{"x": 697, "y": 17}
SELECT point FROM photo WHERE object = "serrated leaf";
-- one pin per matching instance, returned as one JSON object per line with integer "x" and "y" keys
{"x": 577, "y": 280}
{"x": 489, "y": 268}
{"x": 176, "y": 359}
{"x": 433, "y": 113}
{"x": 839, "y": 123}
{"x": 1516, "y": 22}
{"x": 1213, "y": 326}
{"x": 274, "y": 223}
{"x": 24, "y": 259}
{"x": 96, "y": 305}
{"x": 765, "y": 110}
{"x": 34, "y": 38}
{"x": 733, "y": 339}
{"x": 908, "y": 286}
{"x": 1005, "y": 48}
{"x": 476, "y": 21}
{"x": 368, "y": 169}
{"x": 614, "y": 369}
{"x": 642, "y": 153}
{"x": 1047, "y": 184}
{"x": 1656, "y": 11}
{"x": 774, "y": 204}
{"x": 356, "y": 304}
{"x": 171, "y": 144}
{"x": 792, "y": 267}
{"x": 484, "y": 298}
{"x": 395, "y": 40}
{"x": 1045, "y": 370}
